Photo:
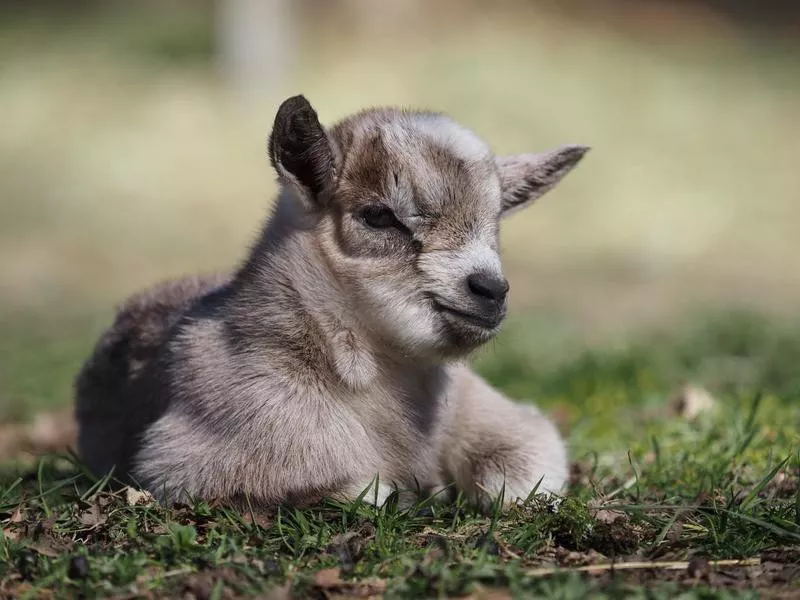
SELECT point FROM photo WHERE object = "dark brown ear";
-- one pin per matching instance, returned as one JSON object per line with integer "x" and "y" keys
{"x": 526, "y": 177}
{"x": 300, "y": 150}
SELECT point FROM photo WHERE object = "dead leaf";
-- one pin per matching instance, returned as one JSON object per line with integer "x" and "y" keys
{"x": 330, "y": 582}
{"x": 282, "y": 592}
{"x": 134, "y": 497}
{"x": 368, "y": 588}
{"x": 605, "y": 513}
{"x": 45, "y": 526}
{"x": 46, "y": 547}
{"x": 482, "y": 593}
{"x": 328, "y": 578}
{"x": 17, "y": 516}
{"x": 205, "y": 584}
{"x": 343, "y": 538}
{"x": 17, "y": 591}
{"x": 105, "y": 499}
{"x": 608, "y": 515}
{"x": 159, "y": 529}
{"x": 693, "y": 401}
{"x": 93, "y": 517}
{"x": 262, "y": 517}
{"x": 572, "y": 558}
{"x": 146, "y": 576}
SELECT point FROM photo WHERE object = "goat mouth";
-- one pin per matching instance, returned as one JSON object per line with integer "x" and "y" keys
{"x": 473, "y": 319}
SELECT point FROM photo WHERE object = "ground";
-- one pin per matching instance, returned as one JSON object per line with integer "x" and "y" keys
{"x": 685, "y": 479}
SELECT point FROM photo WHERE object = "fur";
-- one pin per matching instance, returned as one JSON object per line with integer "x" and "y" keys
{"x": 332, "y": 358}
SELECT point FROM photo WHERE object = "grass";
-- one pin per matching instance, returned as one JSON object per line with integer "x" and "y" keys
{"x": 649, "y": 486}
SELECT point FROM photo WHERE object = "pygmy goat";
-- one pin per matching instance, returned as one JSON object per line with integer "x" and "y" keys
{"x": 331, "y": 361}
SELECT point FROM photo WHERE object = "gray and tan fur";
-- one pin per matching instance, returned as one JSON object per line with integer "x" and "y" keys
{"x": 334, "y": 354}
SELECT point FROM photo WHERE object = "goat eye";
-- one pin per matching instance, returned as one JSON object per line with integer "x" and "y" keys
{"x": 379, "y": 217}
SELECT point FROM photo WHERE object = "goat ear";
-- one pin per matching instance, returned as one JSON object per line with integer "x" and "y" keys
{"x": 525, "y": 177}
{"x": 300, "y": 149}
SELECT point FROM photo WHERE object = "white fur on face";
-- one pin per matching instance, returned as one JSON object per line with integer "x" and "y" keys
{"x": 389, "y": 301}
{"x": 405, "y": 315}
{"x": 442, "y": 131}
{"x": 447, "y": 270}
{"x": 446, "y": 133}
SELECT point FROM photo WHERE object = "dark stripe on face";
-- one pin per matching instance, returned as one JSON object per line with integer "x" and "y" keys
{"x": 357, "y": 240}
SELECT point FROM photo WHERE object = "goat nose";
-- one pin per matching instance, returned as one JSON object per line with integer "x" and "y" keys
{"x": 489, "y": 286}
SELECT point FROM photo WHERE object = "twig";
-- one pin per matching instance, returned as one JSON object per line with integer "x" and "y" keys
{"x": 175, "y": 573}
{"x": 676, "y": 565}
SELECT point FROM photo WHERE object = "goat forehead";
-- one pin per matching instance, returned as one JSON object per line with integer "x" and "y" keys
{"x": 424, "y": 163}
{"x": 435, "y": 130}
{"x": 461, "y": 193}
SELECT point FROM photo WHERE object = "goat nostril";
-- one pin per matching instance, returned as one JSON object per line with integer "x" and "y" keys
{"x": 488, "y": 286}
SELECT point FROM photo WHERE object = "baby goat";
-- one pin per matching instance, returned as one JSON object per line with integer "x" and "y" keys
{"x": 331, "y": 358}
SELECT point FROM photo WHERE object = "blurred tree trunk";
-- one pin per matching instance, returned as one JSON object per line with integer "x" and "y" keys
{"x": 256, "y": 43}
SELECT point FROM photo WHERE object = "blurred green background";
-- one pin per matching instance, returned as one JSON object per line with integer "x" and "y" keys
{"x": 132, "y": 148}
